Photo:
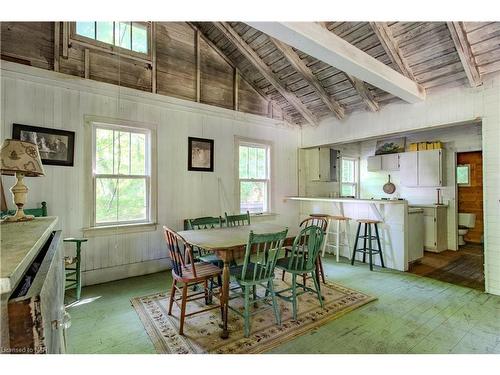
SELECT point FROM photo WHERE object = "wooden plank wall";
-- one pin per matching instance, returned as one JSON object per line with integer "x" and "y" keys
{"x": 32, "y": 43}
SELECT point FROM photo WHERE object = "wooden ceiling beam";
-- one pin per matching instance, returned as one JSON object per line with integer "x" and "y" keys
{"x": 316, "y": 41}
{"x": 265, "y": 70}
{"x": 364, "y": 93}
{"x": 459, "y": 36}
{"x": 384, "y": 35}
{"x": 309, "y": 77}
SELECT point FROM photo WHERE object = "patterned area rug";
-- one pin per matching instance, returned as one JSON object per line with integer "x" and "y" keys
{"x": 201, "y": 332}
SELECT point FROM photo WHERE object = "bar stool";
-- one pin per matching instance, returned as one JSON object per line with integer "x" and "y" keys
{"x": 341, "y": 235}
{"x": 70, "y": 272}
{"x": 368, "y": 236}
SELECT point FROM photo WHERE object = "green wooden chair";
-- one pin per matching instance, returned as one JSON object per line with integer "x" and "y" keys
{"x": 237, "y": 220}
{"x": 73, "y": 274}
{"x": 302, "y": 260}
{"x": 37, "y": 212}
{"x": 261, "y": 254}
{"x": 205, "y": 223}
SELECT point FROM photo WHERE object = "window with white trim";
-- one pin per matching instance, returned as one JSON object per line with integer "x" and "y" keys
{"x": 122, "y": 175}
{"x": 133, "y": 36}
{"x": 349, "y": 177}
{"x": 254, "y": 176}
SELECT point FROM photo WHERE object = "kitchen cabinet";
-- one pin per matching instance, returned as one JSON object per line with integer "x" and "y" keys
{"x": 435, "y": 228}
{"x": 322, "y": 164}
{"x": 422, "y": 168}
{"x": 389, "y": 162}
{"x": 415, "y": 234}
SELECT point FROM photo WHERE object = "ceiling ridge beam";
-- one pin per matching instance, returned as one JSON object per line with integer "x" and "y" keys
{"x": 464, "y": 50}
{"x": 309, "y": 77}
{"x": 384, "y": 35}
{"x": 316, "y": 41}
{"x": 265, "y": 70}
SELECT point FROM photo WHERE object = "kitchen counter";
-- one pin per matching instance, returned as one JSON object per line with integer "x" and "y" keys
{"x": 430, "y": 205}
{"x": 347, "y": 200}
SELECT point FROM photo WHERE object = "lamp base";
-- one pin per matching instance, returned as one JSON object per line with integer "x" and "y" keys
{"x": 20, "y": 195}
{"x": 19, "y": 216}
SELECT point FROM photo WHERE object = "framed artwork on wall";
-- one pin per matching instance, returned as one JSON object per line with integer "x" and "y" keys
{"x": 200, "y": 154}
{"x": 56, "y": 146}
{"x": 390, "y": 146}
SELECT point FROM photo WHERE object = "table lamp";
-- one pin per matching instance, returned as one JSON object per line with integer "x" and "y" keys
{"x": 22, "y": 159}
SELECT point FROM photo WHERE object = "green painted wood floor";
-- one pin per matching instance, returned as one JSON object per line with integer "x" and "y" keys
{"x": 413, "y": 314}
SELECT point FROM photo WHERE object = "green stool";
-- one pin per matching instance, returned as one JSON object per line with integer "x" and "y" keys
{"x": 73, "y": 275}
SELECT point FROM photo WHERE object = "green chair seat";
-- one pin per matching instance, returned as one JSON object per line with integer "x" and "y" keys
{"x": 237, "y": 272}
{"x": 284, "y": 263}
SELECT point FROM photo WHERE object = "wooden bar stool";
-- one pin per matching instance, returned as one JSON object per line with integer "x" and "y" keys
{"x": 73, "y": 274}
{"x": 368, "y": 236}
{"x": 341, "y": 235}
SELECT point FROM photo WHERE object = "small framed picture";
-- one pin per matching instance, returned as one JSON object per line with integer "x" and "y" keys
{"x": 200, "y": 154}
{"x": 56, "y": 146}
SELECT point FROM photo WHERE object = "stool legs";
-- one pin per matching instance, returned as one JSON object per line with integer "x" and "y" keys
{"x": 368, "y": 247}
{"x": 337, "y": 240}
{"x": 379, "y": 246}
{"x": 355, "y": 244}
{"x": 364, "y": 245}
{"x": 325, "y": 239}
{"x": 78, "y": 271}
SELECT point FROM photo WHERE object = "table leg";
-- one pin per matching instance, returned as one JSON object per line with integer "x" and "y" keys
{"x": 225, "y": 299}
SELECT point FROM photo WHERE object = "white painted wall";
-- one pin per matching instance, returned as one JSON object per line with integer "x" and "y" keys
{"x": 42, "y": 98}
{"x": 444, "y": 107}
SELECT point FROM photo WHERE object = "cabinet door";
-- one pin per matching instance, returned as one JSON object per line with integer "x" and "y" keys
{"x": 429, "y": 232}
{"x": 374, "y": 163}
{"x": 324, "y": 164}
{"x": 313, "y": 164}
{"x": 390, "y": 162}
{"x": 408, "y": 167}
{"x": 429, "y": 168}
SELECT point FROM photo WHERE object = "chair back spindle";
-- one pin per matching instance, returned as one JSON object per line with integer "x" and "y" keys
{"x": 205, "y": 223}
{"x": 306, "y": 248}
{"x": 179, "y": 250}
{"x": 237, "y": 220}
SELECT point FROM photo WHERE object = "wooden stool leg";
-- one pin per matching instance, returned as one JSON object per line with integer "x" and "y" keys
{"x": 325, "y": 240}
{"x": 348, "y": 236}
{"x": 379, "y": 247}
{"x": 337, "y": 241}
{"x": 355, "y": 244}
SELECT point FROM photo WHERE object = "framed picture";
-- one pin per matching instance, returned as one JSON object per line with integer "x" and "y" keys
{"x": 200, "y": 154}
{"x": 56, "y": 146}
{"x": 391, "y": 146}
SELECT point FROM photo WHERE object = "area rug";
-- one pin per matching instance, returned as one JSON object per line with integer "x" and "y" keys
{"x": 201, "y": 332}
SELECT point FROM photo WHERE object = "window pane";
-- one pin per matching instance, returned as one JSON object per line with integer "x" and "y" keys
{"x": 132, "y": 200}
{"x": 348, "y": 171}
{"x": 253, "y": 196}
{"x": 463, "y": 174}
{"x": 243, "y": 162}
{"x": 261, "y": 163}
{"x": 122, "y": 152}
{"x": 104, "y": 151}
{"x": 138, "y": 151}
{"x": 252, "y": 162}
{"x": 106, "y": 200}
{"x": 139, "y": 38}
{"x": 86, "y": 29}
{"x": 105, "y": 32}
{"x": 122, "y": 35}
{"x": 348, "y": 190}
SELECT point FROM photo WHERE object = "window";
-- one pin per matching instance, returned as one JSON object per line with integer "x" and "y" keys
{"x": 131, "y": 36}
{"x": 122, "y": 175}
{"x": 253, "y": 176}
{"x": 349, "y": 177}
{"x": 463, "y": 175}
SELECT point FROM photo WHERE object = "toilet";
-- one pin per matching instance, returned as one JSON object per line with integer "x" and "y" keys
{"x": 465, "y": 222}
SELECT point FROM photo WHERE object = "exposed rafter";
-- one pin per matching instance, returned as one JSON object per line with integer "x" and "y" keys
{"x": 308, "y": 75}
{"x": 364, "y": 93}
{"x": 316, "y": 41}
{"x": 464, "y": 50}
{"x": 384, "y": 34}
{"x": 264, "y": 69}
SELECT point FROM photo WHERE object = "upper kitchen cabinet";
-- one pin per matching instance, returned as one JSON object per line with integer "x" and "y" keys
{"x": 322, "y": 163}
{"x": 388, "y": 162}
{"x": 422, "y": 168}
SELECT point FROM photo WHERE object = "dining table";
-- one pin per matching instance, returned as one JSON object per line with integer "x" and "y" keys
{"x": 228, "y": 244}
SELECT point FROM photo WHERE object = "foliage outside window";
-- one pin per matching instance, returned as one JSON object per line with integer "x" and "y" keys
{"x": 121, "y": 175}
{"x": 254, "y": 177}
{"x": 131, "y": 36}
{"x": 463, "y": 175}
{"x": 349, "y": 177}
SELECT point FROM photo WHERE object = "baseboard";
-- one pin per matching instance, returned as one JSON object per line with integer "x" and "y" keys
{"x": 124, "y": 271}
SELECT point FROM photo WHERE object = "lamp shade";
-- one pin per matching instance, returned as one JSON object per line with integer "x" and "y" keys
{"x": 20, "y": 156}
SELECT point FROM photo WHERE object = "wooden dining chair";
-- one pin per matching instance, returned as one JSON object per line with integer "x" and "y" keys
{"x": 237, "y": 220}
{"x": 322, "y": 223}
{"x": 261, "y": 254}
{"x": 186, "y": 272}
{"x": 302, "y": 260}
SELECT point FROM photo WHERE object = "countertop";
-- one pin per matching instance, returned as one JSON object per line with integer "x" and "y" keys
{"x": 20, "y": 243}
{"x": 430, "y": 205}
{"x": 346, "y": 200}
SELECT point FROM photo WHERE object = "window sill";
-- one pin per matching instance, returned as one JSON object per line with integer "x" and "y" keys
{"x": 265, "y": 214}
{"x": 118, "y": 229}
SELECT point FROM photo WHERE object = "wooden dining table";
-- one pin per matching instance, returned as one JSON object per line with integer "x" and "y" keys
{"x": 229, "y": 243}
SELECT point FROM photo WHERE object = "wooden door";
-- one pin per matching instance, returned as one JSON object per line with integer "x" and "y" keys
{"x": 470, "y": 198}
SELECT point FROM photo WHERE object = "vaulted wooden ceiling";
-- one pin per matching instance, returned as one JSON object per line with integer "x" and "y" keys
{"x": 432, "y": 54}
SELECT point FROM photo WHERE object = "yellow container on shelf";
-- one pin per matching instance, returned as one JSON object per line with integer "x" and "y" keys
{"x": 413, "y": 147}
{"x": 422, "y": 146}
{"x": 437, "y": 145}
{"x": 430, "y": 145}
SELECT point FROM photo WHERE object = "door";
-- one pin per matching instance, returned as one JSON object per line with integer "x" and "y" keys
{"x": 408, "y": 167}
{"x": 390, "y": 162}
{"x": 313, "y": 164}
{"x": 429, "y": 168}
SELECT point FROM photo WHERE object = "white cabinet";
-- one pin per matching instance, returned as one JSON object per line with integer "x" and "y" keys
{"x": 322, "y": 164}
{"x": 435, "y": 228}
{"x": 415, "y": 234}
{"x": 389, "y": 162}
{"x": 422, "y": 168}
